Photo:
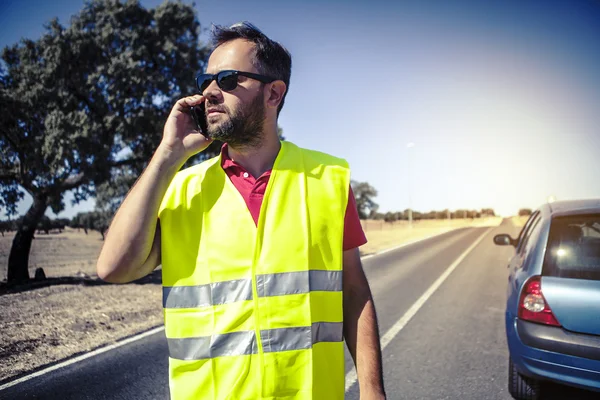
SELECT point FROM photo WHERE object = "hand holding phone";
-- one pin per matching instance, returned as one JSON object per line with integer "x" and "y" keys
{"x": 199, "y": 115}
{"x": 180, "y": 134}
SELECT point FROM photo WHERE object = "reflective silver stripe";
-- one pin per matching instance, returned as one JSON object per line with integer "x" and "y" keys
{"x": 303, "y": 337}
{"x": 207, "y": 295}
{"x": 298, "y": 282}
{"x": 244, "y": 343}
{"x": 283, "y": 339}
{"x": 325, "y": 281}
{"x": 327, "y": 332}
{"x": 200, "y": 348}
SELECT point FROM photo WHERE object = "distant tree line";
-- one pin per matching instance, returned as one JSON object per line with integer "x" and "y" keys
{"x": 364, "y": 194}
{"x": 94, "y": 220}
{"x": 45, "y": 225}
{"x": 444, "y": 214}
{"x": 524, "y": 212}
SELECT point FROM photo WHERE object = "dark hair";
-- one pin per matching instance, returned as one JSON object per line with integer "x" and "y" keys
{"x": 270, "y": 58}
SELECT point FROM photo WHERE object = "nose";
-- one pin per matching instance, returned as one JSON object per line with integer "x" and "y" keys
{"x": 213, "y": 93}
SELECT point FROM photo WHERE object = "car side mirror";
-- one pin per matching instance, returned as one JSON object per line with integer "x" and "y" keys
{"x": 504, "y": 240}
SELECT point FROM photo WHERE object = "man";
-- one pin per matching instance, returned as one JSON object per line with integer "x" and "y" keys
{"x": 262, "y": 280}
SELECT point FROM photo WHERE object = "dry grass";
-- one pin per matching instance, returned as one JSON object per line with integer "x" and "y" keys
{"x": 519, "y": 221}
{"x": 44, "y": 325}
{"x": 60, "y": 254}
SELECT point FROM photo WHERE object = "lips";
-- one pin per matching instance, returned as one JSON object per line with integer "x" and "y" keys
{"x": 212, "y": 111}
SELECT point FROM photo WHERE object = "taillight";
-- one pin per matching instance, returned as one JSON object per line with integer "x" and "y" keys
{"x": 532, "y": 304}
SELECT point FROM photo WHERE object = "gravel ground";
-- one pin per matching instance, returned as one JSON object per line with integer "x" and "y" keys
{"x": 40, "y": 326}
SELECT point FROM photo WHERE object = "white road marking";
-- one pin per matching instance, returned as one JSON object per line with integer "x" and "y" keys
{"x": 401, "y": 323}
{"x": 82, "y": 357}
{"x": 159, "y": 329}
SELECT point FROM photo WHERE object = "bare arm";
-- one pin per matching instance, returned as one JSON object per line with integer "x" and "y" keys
{"x": 360, "y": 328}
{"x": 131, "y": 247}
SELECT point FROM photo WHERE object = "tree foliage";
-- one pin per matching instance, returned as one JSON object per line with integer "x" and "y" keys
{"x": 487, "y": 212}
{"x": 364, "y": 194}
{"x": 390, "y": 217}
{"x": 8, "y": 226}
{"x": 84, "y": 105}
{"x": 523, "y": 212}
{"x": 439, "y": 215}
{"x": 94, "y": 220}
{"x": 46, "y": 224}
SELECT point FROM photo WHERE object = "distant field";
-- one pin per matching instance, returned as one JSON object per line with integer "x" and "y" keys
{"x": 60, "y": 254}
{"x": 520, "y": 221}
{"x": 52, "y": 323}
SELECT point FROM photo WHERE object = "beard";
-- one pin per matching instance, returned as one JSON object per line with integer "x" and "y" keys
{"x": 244, "y": 127}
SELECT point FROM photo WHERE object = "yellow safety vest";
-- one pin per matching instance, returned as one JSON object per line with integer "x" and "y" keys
{"x": 255, "y": 312}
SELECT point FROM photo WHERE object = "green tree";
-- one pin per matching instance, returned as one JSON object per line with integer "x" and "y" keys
{"x": 5, "y": 226}
{"x": 94, "y": 220}
{"x": 523, "y": 212}
{"x": 76, "y": 222}
{"x": 488, "y": 212}
{"x": 85, "y": 104}
{"x": 389, "y": 217}
{"x": 364, "y": 194}
{"x": 461, "y": 213}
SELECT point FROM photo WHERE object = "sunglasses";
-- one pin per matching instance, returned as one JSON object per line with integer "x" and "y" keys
{"x": 227, "y": 80}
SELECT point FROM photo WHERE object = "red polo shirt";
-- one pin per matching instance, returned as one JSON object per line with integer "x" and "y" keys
{"x": 253, "y": 192}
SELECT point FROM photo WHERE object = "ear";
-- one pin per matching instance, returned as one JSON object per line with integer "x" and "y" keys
{"x": 276, "y": 91}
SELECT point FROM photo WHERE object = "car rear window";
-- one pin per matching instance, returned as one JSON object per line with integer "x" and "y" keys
{"x": 574, "y": 247}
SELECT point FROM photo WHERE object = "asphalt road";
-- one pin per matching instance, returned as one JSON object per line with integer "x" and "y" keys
{"x": 453, "y": 348}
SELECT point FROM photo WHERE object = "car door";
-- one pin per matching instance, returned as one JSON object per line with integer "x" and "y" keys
{"x": 517, "y": 275}
{"x": 517, "y": 259}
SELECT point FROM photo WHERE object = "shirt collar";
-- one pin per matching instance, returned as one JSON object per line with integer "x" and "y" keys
{"x": 226, "y": 161}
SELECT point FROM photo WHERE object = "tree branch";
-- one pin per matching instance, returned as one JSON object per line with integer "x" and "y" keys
{"x": 10, "y": 139}
{"x": 129, "y": 161}
{"x": 7, "y": 176}
{"x": 73, "y": 181}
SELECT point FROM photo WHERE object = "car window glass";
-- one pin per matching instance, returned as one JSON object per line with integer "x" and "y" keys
{"x": 527, "y": 231}
{"x": 532, "y": 236}
{"x": 592, "y": 230}
{"x": 573, "y": 249}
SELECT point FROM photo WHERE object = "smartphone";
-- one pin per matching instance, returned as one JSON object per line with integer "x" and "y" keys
{"x": 199, "y": 116}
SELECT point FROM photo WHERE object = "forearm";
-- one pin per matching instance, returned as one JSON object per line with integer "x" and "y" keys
{"x": 129, "y": 239}
{"x": 362, "y": 337}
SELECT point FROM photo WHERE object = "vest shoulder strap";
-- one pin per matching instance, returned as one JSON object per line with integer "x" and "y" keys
{"x": 178, "y": 187}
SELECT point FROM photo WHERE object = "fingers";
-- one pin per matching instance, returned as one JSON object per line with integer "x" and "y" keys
{"x": 184, "y": 104}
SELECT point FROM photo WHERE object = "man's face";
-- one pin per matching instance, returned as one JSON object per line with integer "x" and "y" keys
{"x": 237, "y": 116}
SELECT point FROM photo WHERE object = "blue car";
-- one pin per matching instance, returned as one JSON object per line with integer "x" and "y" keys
{"x": 553, "y": 305}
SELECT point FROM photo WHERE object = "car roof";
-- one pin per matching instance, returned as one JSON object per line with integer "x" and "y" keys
{"x": 574, "y": 207}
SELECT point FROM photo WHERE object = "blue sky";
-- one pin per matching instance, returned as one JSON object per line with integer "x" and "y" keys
{"x": 501, "y": 98}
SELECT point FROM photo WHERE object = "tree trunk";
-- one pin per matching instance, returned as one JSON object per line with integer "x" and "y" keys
{"x": 18, "y": 260}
